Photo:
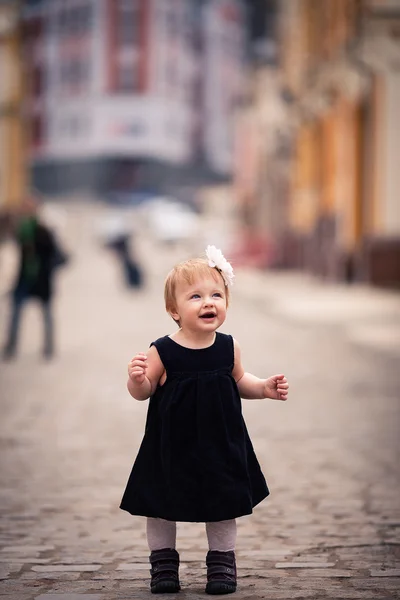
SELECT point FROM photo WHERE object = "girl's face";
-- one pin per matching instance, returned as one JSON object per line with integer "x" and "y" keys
{"x": 201, "y": 305}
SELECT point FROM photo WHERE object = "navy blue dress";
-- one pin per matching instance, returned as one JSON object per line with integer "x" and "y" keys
{"x": 196, "y": 461}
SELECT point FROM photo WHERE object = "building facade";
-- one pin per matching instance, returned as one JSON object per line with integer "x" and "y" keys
{"x": 12, "y": 138}
{"x": 113, "y": 100}
{"x": 379, "y": 49}
{"x": 222, "y": 74}
{"x": 262, "y": 146}
{"x": 340, "y": 68}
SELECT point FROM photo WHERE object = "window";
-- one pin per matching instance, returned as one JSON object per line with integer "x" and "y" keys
{"x": 127, "y": 78}
{"x": 127, "y": 22}
{"x": 172, "y": 23}
{"x": 37, "y": 130}
{"x": 172, "y": 73}
{"x": 74, "y": 73}
{"x": 127, "y": 32}
{"x": 85, "y": 17}
{"x": 37, "y": 81}
{"x": 75, "y": 20}
{"x": 72, "y": 127}
{"x": 128, "y": 5}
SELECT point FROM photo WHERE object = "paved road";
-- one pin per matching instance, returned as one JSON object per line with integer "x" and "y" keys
{"x": 69, "y": 432}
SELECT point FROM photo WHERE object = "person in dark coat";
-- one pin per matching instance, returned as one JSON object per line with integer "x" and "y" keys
{"x": 196, "y": 462}
{"x": 39, "y": 256}
{"x": 133, "y": 274}
{"x": 117, "y": 235}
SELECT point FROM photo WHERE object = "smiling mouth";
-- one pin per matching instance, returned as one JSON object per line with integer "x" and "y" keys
{"x": 208, "y": 316}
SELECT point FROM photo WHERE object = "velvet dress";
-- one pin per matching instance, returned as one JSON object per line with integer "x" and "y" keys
{"x": 196, "y": 461}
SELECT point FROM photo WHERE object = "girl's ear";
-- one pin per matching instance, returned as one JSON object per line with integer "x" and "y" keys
{"x": 174, "y": 315}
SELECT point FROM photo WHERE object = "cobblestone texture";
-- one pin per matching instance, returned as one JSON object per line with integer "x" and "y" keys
{"x": 69, "y": 432}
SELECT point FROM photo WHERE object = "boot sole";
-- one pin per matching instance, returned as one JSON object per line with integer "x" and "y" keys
{"x": 165, "y": 587}
{"x": 218, "y": 588}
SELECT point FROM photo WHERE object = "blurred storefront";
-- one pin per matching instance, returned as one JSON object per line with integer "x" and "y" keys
{"x": 328, "y": 91}
{"x": 379, "y": 49}
{"x": 341, "y": 69}
{"x": 12, "y": 139}
{"x": 317, "y": 145}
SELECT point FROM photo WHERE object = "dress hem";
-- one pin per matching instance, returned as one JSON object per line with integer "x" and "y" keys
{"x": 226, "y": 517}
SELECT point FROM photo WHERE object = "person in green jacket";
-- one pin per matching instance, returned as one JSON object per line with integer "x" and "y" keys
{"x": 38, "y": 257}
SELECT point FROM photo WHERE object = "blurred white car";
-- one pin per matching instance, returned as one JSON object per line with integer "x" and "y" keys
{"x": 170, "y": 221}
{"x": 113, "y": 225}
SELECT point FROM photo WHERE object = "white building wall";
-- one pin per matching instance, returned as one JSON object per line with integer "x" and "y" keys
{"x": 69, "y": 116}
{"x": 172, "y": 65}
{"x": 99, "y": 60}
{"x": 223, "y": 64}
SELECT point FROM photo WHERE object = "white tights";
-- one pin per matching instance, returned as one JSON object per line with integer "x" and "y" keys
{"x": 221, "y": 535}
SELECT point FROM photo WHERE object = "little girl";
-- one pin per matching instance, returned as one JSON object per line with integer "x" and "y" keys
{"x": 196, "y": 461}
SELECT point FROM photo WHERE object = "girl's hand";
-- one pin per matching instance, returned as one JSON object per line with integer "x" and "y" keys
{"x": 276, "y": 387}
{"x": 137, "y": 368}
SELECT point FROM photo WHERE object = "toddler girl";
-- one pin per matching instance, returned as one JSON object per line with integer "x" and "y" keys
{"x": 196, "y": 461}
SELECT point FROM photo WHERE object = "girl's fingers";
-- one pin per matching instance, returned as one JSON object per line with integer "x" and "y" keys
{"x": 139, "y": 358}
{"x": 136, "y": 374}
{"x": 137, "y": 370}
{"x": 138, "y": 363}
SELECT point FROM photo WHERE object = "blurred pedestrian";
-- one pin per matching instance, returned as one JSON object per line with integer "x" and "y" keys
{"x": 196, "y": 462}
{"x": 132, "y": 273}
{"x": 117, "y": 236}
{"x": 39, "y": 257}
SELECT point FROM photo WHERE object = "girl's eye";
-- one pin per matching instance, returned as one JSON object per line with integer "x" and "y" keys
{"x": 218, "y": 294}
{"x": 194, "y": 296}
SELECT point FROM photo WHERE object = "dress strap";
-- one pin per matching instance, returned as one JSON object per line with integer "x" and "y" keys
{"x": 226, "y": 345}
{"x": 163, "y": 350}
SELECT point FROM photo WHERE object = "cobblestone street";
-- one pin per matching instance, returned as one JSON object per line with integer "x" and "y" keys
{"x": 70, "y": 432}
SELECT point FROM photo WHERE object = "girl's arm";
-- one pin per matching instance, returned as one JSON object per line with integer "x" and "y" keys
{"x": 145, "y": 371}
{"x": 252, "y": 387}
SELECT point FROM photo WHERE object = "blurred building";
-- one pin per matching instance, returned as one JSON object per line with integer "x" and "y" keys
{"x": 328, "y": 87}
{"x": 130, "y": 94}
{"x": 379, "y": 49}
{"x": 12, "y": 140}
{"x": 343, "y": 213}
{"x": 262, "y": 145}
{"x": 318, "y": 180}
{"x": 222, "y": 75}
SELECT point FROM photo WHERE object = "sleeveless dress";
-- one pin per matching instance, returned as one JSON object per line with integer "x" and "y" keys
{"x": 196, "y": 461}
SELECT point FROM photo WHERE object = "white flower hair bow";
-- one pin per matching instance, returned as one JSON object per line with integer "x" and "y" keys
{"x": 218, "y": 260}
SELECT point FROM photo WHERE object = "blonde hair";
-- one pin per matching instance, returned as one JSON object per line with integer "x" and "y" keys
{"x": 189, "y": 271}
